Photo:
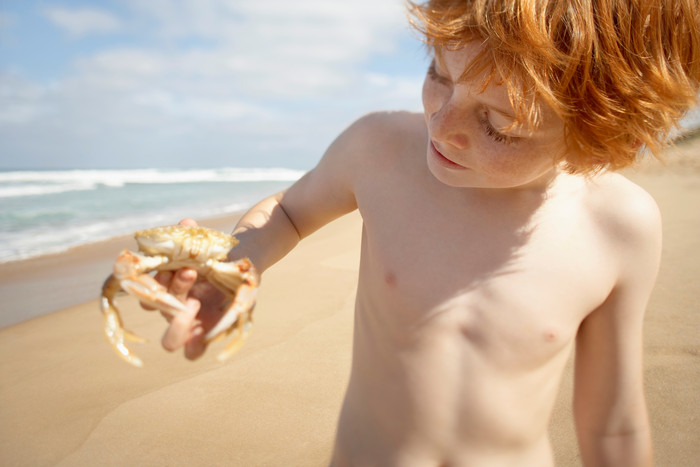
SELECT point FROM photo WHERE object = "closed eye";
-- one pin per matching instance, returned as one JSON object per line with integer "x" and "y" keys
{"x": 493, "y": 133}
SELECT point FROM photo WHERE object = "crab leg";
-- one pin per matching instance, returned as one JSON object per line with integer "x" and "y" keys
{"x": 230, "y": 275}
{"x": 151, "y": 293}
{"x": 237, "y": 320}
{"x": 130, "y": 268}
{"x": 113, "y": 328}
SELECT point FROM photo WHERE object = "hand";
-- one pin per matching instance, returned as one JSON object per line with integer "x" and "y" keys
{"x": 204, "y": 303}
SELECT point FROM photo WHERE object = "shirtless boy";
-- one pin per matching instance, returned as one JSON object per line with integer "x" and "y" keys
{"x": 496, "y": 237}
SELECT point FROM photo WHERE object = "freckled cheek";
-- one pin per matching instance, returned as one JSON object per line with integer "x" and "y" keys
{"x": 502, "y": 162}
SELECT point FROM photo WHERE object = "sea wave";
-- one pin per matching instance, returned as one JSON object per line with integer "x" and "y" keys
{"x": 32, "y": 183}
{"x": 33, "y": 189}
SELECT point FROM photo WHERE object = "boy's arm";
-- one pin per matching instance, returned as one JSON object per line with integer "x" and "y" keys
{"x": 269, "y": 231}
{"x": 274, "y": 226}
{"x": 609, "y": 406}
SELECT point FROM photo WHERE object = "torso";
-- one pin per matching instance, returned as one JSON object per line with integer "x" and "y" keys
{"x": 466, "y": 314}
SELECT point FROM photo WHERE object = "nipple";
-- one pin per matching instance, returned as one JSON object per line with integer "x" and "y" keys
{"x": 551, "y": 336}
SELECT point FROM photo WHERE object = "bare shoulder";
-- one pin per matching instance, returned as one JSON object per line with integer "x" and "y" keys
{"x": 624, "y": 210}
{"x": 330, "y": 189}
{"x": 629, "y": 223}
{"x": 373, "y": 142}
{"x": 374, "y": 139}
{"x": 382, "y": 131}
{"x": 390, "y": 123}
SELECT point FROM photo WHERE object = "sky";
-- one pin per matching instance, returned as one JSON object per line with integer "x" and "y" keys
{"x": 196, "y": 83}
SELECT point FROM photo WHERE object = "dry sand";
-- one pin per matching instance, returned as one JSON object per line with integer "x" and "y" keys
{"x": 66, "y": 399}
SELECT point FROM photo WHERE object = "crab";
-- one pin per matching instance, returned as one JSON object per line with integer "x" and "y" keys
{"x": 174, "y": 247}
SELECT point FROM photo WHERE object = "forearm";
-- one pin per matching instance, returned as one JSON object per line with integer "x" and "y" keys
{"x": 633, "y": 449}
{"x": 266, "y": 234}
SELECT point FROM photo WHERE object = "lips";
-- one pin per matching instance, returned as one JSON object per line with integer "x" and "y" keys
{"x": 441, "y": 159}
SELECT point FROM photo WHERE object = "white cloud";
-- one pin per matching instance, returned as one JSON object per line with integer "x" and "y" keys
{"x": 273, "y": 49}
{"x": 132, "y": 63}
{"x": 84, "y": 21}
{"x": 315, "y": 46}
{"x": 219, "y": 78}
{"x": 196, "y": 108}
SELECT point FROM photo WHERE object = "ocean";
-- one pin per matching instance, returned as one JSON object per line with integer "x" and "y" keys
{"x": 50, "y": 211}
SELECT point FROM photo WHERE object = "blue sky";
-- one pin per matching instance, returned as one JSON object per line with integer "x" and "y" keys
{"x": 196, "y": 83}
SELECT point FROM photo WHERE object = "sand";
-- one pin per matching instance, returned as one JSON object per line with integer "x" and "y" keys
{"x": 66, "y": 399}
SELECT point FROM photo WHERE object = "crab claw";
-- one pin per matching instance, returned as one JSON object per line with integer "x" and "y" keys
{"x": 151, "y": 293}
{"x": 237, "y": 320}
{"x": 113, "y": 328}
{"x": 130, "y": 269}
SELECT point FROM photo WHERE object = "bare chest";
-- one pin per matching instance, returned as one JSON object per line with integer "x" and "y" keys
{"x": 513, "y": 290}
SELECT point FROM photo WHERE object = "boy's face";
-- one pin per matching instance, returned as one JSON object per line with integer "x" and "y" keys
{"x": 473, "y": 141}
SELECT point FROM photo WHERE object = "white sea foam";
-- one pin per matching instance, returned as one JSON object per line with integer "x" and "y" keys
{"x": 33, "y": 189}
{"x": 121, "y": 177}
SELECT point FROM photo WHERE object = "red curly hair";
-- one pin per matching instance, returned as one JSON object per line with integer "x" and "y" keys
{"x": 620, "y": 73}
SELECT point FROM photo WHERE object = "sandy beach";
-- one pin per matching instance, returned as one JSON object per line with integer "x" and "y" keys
{"x": 66, "y": 399}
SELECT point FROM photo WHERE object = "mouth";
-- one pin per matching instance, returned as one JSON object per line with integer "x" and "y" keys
{"x": 441, "y": 159}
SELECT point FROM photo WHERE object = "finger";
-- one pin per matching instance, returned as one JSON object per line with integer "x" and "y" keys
{"x": 180, "y": 329}
{"x": 182, "y": 281}
{"x": 197, "y": 345}
{"x": 188, "y": 221}
{"x": 163, "y": 278}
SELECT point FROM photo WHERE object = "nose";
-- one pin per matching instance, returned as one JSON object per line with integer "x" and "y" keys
{"x": 448, "y": 124}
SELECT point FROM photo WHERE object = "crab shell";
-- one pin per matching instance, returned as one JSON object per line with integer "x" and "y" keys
{"x": 188, "y": 244}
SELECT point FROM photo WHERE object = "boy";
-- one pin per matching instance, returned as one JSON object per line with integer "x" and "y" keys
{"x": 496, "y": 237}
